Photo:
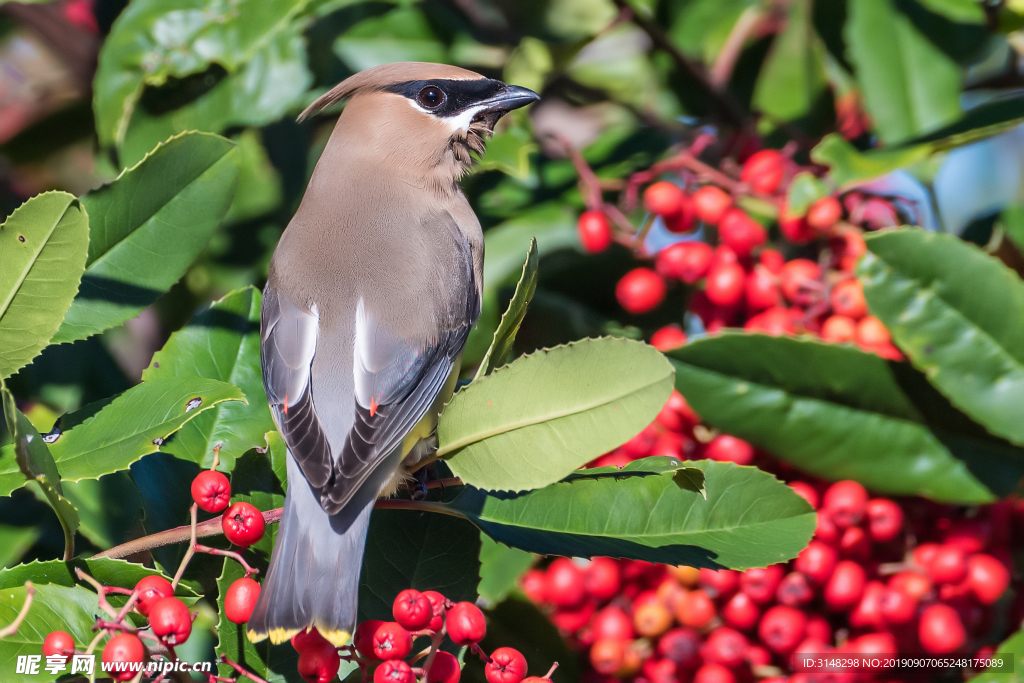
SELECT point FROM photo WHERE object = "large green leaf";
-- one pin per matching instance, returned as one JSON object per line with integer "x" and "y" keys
{"x": 793, "y": 76}
{"x": 43, "y": 246}
{"x": 848, "y": 165}
{"x": 505, "y": 335}
{"x": 36, "y": 463}
{"x": 532, "y": 422}
{"x": 133, "y": 425}
{"x": 109, "y": 572}
{"x": 54, "y": 608}
{"x": 961, "y": 11}
{"x": 108, "y": 508}
{"x": 840, "y": 413}
{"x": 910, "y": 86}
{"x": 411, "y": 550}
{"x": 154, "y": 40}
{"x": 500, "y": 569}
{"x": 15, "y": 542}
{"x": 222, "y": 343}
{"x": 1011, "y": 667}
{"x": 958, "y": 314}
{"x": 749, "y": 519}
{"x": 148, "y": 226}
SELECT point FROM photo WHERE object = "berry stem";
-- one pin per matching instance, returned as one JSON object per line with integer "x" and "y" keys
{"x": 242, "y": 672}
{"x": 435, "y": 643}
{"x": 12, "y": 628}
{"x": 551, "y": 671}
{"x": 191, "y": 548}
{"x": 249, "y": 571}
{"x": 101, "y": 590}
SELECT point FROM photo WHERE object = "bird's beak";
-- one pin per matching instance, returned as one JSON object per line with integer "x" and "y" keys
{"x": 512, "y": 97}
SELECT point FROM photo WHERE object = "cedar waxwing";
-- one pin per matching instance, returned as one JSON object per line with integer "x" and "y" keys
{"x": 371, "y": 294}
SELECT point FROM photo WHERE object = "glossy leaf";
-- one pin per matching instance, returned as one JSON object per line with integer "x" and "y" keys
{"x": 109, "y": 572}
{"x": 133, "y": 425}
{"x": 500, "y": 569}
{"x": 910, "y": 86}
{"x": 793, "y": 76}
{"x": 15, "y": 542}
{"x": 848, "y": 165}
{"x": 108, "y": 508}
{"x": 840, "y": 413}
{"x": 958, "y": 314}
{"x": 43, "y": 246}
{"x": 505, "y": 335}
{"x": 531, "y": 423}
{"x": 147, "y": 228}
{"x": 960, "y": 11}
{"x": 221, "y": 343}
{"x": 804, "y": 191}
{"x": 749, "y": 519}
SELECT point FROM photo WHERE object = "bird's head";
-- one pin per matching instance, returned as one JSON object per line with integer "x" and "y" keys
{"x": 419, "y": 112}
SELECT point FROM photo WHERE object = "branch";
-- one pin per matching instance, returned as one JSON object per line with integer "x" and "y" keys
{"x": 725, "y": 62}
{"x": 12, "y": 628}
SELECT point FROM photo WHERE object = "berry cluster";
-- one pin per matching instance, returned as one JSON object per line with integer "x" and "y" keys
{"x": 384, "y": 649}
{"x": 742, "y": 281}
{"x": 879, "y": 578}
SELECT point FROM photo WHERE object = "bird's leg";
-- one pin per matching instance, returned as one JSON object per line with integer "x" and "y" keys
{"x": 423, "y": 449}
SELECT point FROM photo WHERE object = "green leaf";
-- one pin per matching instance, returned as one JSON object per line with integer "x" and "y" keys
{"x": 840, "y": 413}
{"x": 804, "y": 191}
{"x": 54, "y": 608}
{"x": 910, "y": 86}
{"x": 532, "y": 422}
{"x": 15, "y": 542}
{"x": 509, "y": 152}
{"x": 147, "y": 228}
{"x": 793, "y": 76}
{"x": 1010, "y": 672}
{"x": 42, "y": 256}
{"x": 1012, "y": 221}
{"x": 149, "y": 42}
{"x": 960, "y": 11}
{"x": 407, "y": 549}
{"x": 505, "y": 335}
{"x": 108, "y": 508}
{"x": 997, "y": 115}
{"x": 958, "y": 314}
{"x": 37, "y": 466}
{"x": 847, "y": 165}
{"x": 500, "y": 569}
{"x": 401, "y": 35}
{"x": 109, "y": 572}
{"x": 750, "y": 518}
{"x": 133, "y": 425}
{"x": 221, "y": 343}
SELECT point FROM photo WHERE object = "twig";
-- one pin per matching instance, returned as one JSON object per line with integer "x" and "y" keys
{"x": 193, "y": 511}
{"x": 101, "y": 590}
{"x": 12, "y": 628}
{"x": 550, "y": 671}
{"x": 725, "y": 62}
{"x": 242, "y": 672}
{"x": 435, "y": 643}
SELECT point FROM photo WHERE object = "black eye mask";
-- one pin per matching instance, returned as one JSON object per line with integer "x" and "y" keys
{"x": 456, "y": 95}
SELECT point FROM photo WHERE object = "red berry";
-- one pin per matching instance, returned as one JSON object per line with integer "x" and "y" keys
{"x": 362, "y": 638}
{"x": 319, "y": 664}
{"x": 534, "y": 584}
{"x": 713, "y": 673}
{"x": 602, "y": 578}
{"x": 764, "y": 171}
{"x": 651, "y": 618}
{"x": 668, "y": 337}
{"x": 871, "y": 332}
{"x": 800, "y": 280}
{"x": 507, "y": 665}
{"x": 838, "y": 329}
{"x": 940, "y": 630}
{"x": 412, "y": 610}
{"x": 466, "y": 624}
{"x": 59, "y": 643}
{"x": 970, "y": 535}
{"x": 741, "y": 232}
{"x": 782, "y": 628}
{"x": 741, "y": 612}
{"x": 885, "y": 519}
{"x": 719, "y": 583}
{"x": 760, "y": 289}
{"x": 572, "y": 619}
{"x": 685, "y": 261}
{"x": 211, "y": 491}
{"x": 795, "y": 228}
{"x": 243, "y": 524}
{"x": 914, "y": 584}
{"x": 611, "y": 623}
{"x": 725, "y": 448}
{"x": 772, "y": 260}
{"x": 846, "y": 586}
{"x": 987, "y": 578}
{"x": 124, "y": 648}
{"x": 868, "y": 612}
{"x": 640, "y": 290}
{"x": 760, "y": 583}
{"x": 664, "y": 198}
{"x": 774, "y": 321}
{"x": 695, "y": 609}
{"x": 924, "y": 553}
{"x": 855, "y": 544}
{"x": 846, "y": 502}
{"x": 606, "y": 656}
{"x": 805, "y": 491}
{"x": 897, "y": 606}
{"x": 391, "y": 641}
{"x": 444, "y": 669}
{"x": 876, "y": 645}
{"x": 151, "y": 589}
{"x": 947, "y": 565}
{"x": 758, "y": 656}
{"x": 304, "y": 640}
{"x": 824, "y": 213}
{"x": 240, "y": 600}
{"x": 825, "y": 530}
{"x": 725, "y": 284}
{"x": 394, "y": 671}
{"x": 710, "y": 203}
{"x": 818, "y": 629}
{"x": 565, "y": 583}
{"x": 725, "y": 646}
{"x": 794, "y": 590}
{"x": 594, "y": 230}
{"x": 682, "y": 646}
{"x": 847, "y": 299}
{"x": 659, "y": 670}
{"x": 170, "y": 620}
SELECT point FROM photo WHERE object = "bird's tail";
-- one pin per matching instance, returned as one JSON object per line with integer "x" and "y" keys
{"x": 313, "y": 579}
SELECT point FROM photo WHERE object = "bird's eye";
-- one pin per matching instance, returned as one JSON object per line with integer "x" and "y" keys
{"x": 431, "y": 96}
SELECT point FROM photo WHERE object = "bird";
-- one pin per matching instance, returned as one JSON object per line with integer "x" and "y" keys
{"x": 371, "y": 293}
